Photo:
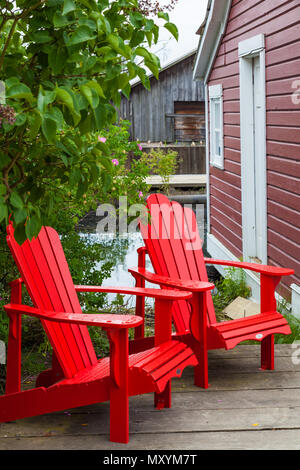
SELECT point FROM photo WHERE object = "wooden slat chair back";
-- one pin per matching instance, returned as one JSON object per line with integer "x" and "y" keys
{"x": 175, "y": 250}
{"x": 45, "y": 272}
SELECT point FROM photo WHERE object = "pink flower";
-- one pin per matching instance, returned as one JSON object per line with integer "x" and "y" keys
{"x": 115, "y": 161}
{"x": 102, "y": 139}
{"x": 140, "y": 194}
{"x": 140, "y": 147}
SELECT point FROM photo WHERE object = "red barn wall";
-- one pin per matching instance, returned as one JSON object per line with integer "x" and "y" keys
{"x": 278, "y": 20}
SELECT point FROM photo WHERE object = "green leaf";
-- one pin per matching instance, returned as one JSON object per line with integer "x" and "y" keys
{"x": 69, "y": 6}
{"x": 33, "y": 226}
{"x": 75, "y": 176}
{"x": 60, "y": 21}
{"x": 149, "y": 25}
{"x": 21, "y": 119}
{"x": 3, "y": 212}
{"x": 106, "y": 163}
{"x": 104, "y": 148}
{"x": 141, "y": 51}
{"x": 136, "y": 38}
{"x": 82, "y": 34}
{"x": 82, "y": 189}
{"x": 95, "y": 173}
{"x": 103, "y": 24}
{"x": 91, "y": 95}
{"x": 136, "y": 19}
{"x": 173, "y": 29}
{"x": 57, "y": 59}
{"x": 16, "y": 200}
{"x": 163, "y": 15}
{"x": 20, "y": 215}
{"x": 36, "y": 193}
{"x": 49, "y": 128}
{"x": 148, "y": 35}
{"x": 41, "y": 37}
{"x": 100, "y": 116}
{"x": 123, "y": 80}
{"x": 35, "y": 122}
{"x": 119, "y": 46}
{"x": 127, "y": 90}
{"x": 20, "y": 234}
{"x": 56, "y": 115}
{"x": 153, "y": 68}
{"x": 65, "y": 97}
{"x": 97, "y": 87}
{"x": 45, "y": 97}
{"x": 106, "y": 181}
{"x": 20, "y": 91}
{"x": 11, "y": 81}
{"x": 91, "y": 4}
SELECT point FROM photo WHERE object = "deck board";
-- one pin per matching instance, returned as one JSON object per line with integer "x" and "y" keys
{"x": 244, "y": 408}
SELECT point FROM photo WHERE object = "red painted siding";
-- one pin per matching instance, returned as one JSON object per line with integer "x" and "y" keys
{"x": 278, "y": 20}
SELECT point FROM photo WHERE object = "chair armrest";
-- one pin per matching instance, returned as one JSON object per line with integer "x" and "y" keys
{"x": 192, "y": 286}
{"x": 140, "y": 291}
{"x": 260, "y": 268}
{"x": 101, "y": 320}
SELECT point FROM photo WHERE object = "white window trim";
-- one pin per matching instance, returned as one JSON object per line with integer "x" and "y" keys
{"x": 216, "y": 94}
{"x": 252, "y": 46}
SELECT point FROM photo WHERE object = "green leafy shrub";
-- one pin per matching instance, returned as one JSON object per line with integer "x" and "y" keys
{"x": 162, "y": 162}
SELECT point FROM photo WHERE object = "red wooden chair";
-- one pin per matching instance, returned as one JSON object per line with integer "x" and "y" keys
{"x": 77, "y": 377}
{"x": 173, "y": 244}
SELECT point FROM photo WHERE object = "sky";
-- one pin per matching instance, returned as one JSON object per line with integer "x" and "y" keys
{"x": 188, "y": 16}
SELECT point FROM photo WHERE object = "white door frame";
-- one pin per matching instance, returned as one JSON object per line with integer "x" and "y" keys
{"x": 249, "y": 49}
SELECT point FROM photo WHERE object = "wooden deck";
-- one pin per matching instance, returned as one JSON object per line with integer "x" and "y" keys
{"x": 244, "y": 408}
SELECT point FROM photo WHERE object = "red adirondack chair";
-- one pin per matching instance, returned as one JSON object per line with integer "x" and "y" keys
{"x": 174, "y": 246}
{"x": 77, "y": 377}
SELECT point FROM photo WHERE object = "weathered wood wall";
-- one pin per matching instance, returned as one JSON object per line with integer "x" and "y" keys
{"x": 148, "y": 110}
{"x": 279, "y": 22}
{"x": 191, "y": 158}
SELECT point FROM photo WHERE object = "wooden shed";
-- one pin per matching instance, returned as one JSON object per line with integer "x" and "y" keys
{"x": 248, "y": 57}
{"x": 172, "y": 111}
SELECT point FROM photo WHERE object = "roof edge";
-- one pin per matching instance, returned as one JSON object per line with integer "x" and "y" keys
{"x": 213, "y": 30}
{"x": 167, "y": 65}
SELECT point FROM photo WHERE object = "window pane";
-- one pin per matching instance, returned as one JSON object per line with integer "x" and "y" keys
{"x": 217, "y": 115}
{"x": 217, "y": 143}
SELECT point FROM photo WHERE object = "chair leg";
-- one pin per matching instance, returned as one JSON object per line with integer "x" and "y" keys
{"x": 119, "y": 397}
{"x": 119, "y": 416}
{"x": 198, "y": 327}
{"x": 163, "y": 399}
{"x": 267, "y": 353}
{"x": 201, "y": 372}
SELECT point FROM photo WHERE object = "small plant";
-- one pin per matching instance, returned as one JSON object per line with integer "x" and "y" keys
{"x": 161, "y": 162}
{"x": 230, "y": 287}
{"x": 283, "y": 308}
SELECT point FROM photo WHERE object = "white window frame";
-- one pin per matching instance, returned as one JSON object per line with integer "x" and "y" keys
{"x": 216, "y": 98}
